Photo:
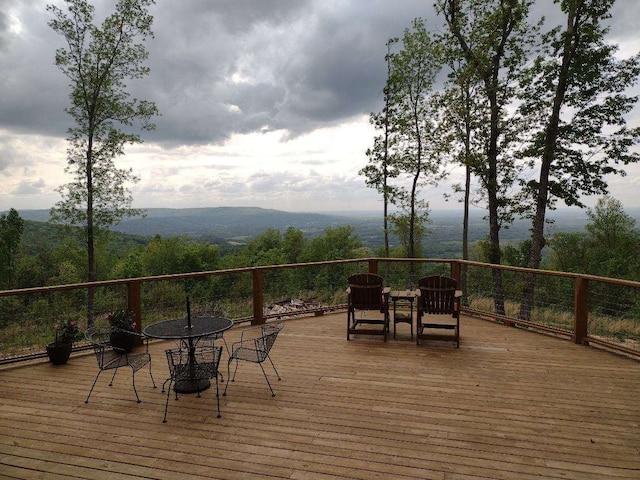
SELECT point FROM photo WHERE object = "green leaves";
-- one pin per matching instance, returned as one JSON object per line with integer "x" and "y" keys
{"x": 11, "y": 228}
{"x": 407, "y": 155}
{"x": 98, "y": 60}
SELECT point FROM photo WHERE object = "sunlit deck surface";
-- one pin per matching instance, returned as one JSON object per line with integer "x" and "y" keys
{"x": 509, "y": 404}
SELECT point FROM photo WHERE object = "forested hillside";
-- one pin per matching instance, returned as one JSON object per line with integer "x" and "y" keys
{"x": 239, "y": 224}
{"x": 165, "y": 242}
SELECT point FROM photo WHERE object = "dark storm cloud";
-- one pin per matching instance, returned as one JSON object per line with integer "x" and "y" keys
{"x": 338, "y": 73}
{"x": 33, "y": 94}
{"x": 220, "y": 67}
{"x": 299, "y": 65}
{"x": 4, "y": 30}
{"x": 239, "y": 15}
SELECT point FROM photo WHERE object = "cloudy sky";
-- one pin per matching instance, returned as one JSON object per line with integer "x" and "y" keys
{"x": 263, "y": 103}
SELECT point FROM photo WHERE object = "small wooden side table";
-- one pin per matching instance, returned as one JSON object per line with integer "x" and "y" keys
{"x": 403, "y": 297}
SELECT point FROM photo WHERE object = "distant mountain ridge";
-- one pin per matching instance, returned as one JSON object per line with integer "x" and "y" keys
{"x": 226, "y": 222}
{"x": 217, "y": 224}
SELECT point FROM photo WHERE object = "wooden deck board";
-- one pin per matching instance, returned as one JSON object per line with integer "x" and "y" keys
{"x": 509, "y": 404}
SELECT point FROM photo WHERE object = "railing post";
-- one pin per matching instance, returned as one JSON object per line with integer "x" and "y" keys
{"x": 133, "y": 303}
{"x": 456, "y": 272}
{"x": 373, "y": 266}
{"x": 581, "y": 311}
{"x": 258, "y": 297}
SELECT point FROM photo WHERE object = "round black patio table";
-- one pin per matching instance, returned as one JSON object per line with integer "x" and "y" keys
{"x": 189, "y": 330}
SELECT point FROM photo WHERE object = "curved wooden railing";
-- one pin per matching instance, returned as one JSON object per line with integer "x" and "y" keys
{"x": 584, "y": 308}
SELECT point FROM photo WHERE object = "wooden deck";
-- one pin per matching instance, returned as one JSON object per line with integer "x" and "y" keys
{"x": 509, "y": 404}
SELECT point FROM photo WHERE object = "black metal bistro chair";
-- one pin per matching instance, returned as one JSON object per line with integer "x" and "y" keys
{"x": 440, "y": 302}
{"x": 367, "y": 293}
{"x": 209, "y": 310}
{"x": 110, "y": 357}
{"x": 210, "y": 341}
{"x": 204, "y": 365}
{"x": 254, "y": 346}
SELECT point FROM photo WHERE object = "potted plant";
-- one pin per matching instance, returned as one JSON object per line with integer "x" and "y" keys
{"x": 123, "y": 336}
{"x": 67, "y": 332}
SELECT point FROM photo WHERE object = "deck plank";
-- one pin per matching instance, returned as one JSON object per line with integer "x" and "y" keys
{"x": 508, "y": 404}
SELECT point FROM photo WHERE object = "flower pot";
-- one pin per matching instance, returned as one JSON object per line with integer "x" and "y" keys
{"x": 122, "y": 341}
{"x": 59, "y": 352}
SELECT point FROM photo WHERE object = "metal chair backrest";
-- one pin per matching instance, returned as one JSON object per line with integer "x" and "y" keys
{"x": 176, "y": 359}
{"x": 365, "y": 291}
{"x": 112, "y": 358}
{"x": 100, "y": 338}
{"x": 265, "y": 342}
{"x": 209, "y": 359}
{"x": 254, "y": 346}
{"x": 437, "y": 294}
{"x": 206, "y": 362}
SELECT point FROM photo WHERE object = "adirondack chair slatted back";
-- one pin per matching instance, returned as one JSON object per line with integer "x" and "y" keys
{"x": 437, "y": 294}
{"x": 366, "y": 291}
{"x": 438, "y": 298}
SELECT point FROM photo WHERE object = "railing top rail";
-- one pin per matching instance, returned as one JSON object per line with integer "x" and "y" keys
{"x": 616, "y": 281}
{"x": 174, "y": 276}
{"x": 179, "y": 276}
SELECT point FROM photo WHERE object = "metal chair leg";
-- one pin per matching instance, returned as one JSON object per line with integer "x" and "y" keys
{"x": 152, "y": 380}
{"x": 133, "y": 382}
{"x": 273, "y": 394}
{"x": 274, "y": 368}
{"x": 224, "y": 394}
{"x": 115, "y": 370}
{"x": 166, "y": 405}
{"x": 92, "y": 387}
{"x": 218, "y": 397}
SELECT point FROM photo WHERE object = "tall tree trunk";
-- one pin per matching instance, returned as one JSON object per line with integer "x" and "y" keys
{"x": 412, "y": 224}
{"x": 492, "y": 193}
{"x": 385, "y": 167}
{"x": 91, "y": 256}
{"x": 548, "y": 156}
{"x": 487, "y": 64}
{"x": 414, "y": 191}
{"x": 467, "y": 191}
{"x": 385, "y": 226}
{"x": 465, "y": 235}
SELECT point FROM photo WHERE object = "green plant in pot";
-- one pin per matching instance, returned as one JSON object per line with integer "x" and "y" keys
{"x": 123, "y": 335}
{"x": 67, "y": 332}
